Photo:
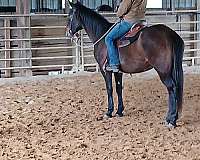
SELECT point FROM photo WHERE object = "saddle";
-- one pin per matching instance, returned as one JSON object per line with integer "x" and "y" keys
{"x": 130, "y": 37}
{"x": 133, "y": 34}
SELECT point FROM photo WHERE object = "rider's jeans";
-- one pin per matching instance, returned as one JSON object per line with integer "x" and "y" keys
{"x": 111, "y": 41}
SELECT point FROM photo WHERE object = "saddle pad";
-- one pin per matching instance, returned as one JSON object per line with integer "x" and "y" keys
{"x": 133, "y": 31}
{"x": 132, "y": 35}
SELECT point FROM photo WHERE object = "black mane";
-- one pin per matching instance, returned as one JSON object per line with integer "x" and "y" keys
{"x": 92, "y": 19}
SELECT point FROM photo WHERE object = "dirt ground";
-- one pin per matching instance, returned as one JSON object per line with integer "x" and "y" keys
{"x": 58, "y": 119}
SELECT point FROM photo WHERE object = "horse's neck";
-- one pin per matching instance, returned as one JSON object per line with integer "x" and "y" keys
{"x": 92, "y": 34}
{"x": 95, "y": 32}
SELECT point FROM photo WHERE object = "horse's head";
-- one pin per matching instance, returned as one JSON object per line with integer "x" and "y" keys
{"x": 74, "y": 23}
{"x": 81, "y": 17}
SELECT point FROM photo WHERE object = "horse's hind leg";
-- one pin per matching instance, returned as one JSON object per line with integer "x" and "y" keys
{"x": 119, "y": 87}
{"x": 172, "y": 114}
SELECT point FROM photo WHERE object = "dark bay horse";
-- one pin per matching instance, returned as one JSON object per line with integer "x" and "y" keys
{"x": 157, "y": 47}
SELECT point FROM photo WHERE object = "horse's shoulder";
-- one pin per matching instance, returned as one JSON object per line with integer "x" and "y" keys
{"x": 100, "y": 53}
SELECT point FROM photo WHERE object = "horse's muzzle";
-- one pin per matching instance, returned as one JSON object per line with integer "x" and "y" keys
{"x": 70, "y": 34}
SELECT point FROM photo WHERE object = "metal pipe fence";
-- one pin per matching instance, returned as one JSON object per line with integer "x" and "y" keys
{"x": 79, "y": 55}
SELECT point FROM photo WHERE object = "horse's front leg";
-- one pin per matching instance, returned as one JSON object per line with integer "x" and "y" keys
{"x": 119, "y": 87}
{"x": 108, "y": 79}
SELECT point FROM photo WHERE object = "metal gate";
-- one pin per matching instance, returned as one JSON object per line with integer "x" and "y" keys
{"x": 40, "y": 46}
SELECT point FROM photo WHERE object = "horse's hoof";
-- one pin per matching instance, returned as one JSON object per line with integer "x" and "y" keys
{"x": 99, "y": 118}
{"x": 107, "y": 116}
{"x": 169, "y": 125}
{"x": 119, "y": 115}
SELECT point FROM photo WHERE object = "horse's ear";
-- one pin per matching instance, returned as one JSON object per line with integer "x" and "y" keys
{"x": 71, "y": 3}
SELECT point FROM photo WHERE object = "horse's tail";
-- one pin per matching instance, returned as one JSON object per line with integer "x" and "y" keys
{"x": 177, "y": 72}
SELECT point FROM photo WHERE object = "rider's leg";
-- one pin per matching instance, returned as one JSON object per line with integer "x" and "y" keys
{"x": 116, "y": 33}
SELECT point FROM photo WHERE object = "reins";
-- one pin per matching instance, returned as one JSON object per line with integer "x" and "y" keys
{"x": 77, "y": 38}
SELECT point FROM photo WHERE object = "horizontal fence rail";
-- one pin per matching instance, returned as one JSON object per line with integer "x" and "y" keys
{"x": 80, "y": 56}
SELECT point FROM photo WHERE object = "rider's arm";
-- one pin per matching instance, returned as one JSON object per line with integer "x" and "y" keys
{"x": 124, "y": 7}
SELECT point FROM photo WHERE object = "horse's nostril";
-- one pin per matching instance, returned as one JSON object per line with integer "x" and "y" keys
{"x": 77, "y": 34}
{"x": 69, "y": 32}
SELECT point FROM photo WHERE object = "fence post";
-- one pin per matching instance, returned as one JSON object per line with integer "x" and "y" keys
{"x": 76, "y": 60}
{"x": 7, "y": 46}
{"x": 23, "y": 7}
{"x": 82, "y": 52}
{"x": 77, "y": 55}
{"x": 198, "y": 29}
{"x": 67, "y": 7}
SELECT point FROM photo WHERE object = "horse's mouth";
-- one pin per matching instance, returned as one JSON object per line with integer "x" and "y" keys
{"x": 70, "y": 34}
{"x": 77, "y": 35}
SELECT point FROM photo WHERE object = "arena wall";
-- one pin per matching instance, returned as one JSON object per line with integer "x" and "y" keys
{"x": 47, "y": 39}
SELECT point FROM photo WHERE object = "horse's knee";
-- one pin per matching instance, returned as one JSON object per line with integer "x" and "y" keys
{"x": 109, "y": 88}
{"x": 109, "y": 91}
{"x": 119, "y": 88}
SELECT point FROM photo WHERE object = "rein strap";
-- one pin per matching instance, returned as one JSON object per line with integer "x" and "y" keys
{"x": 97, "y": 40}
